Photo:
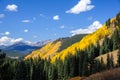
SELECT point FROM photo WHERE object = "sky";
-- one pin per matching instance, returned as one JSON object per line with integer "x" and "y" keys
{"x": 38, "y": 20}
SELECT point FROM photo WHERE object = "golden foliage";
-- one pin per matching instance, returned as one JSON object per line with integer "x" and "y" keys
{"x": 50, "y": 50}
{"x": 84, "y": 43}
{"x": 47, "y": 51}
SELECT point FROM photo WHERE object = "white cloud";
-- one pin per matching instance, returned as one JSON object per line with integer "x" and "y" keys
{"x": 12, "y": 7}
{"x": 2, "y": 16}
{"x": 9, "y": 41}
{"x": 16, "y": 40}
{"x": 56, "y": 17}
{"x": 7, "y": 33}
{"x": 82, "y": 6}
{"x": 26, "y": 21}
{"x": 62, "y": 27}
{"x": 26, "y": 30}
{"x": 92, "y": 28}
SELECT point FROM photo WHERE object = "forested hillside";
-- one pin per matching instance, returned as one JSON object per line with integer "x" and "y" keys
{"x": 53, "y": 48}
{"x": 79, "y": 59}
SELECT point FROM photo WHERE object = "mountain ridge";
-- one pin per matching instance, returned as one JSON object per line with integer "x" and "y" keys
{"x": 22, "y": 48}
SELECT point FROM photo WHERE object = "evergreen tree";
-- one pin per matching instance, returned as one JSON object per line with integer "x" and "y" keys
{"x": 108, "y": 23}
{"x": 108, "y": 61}
{"x": 116, "y": 39}
{"x": 112, "y": 61}
{"x": 118, "y": 19}
{"x": 85, "y": 65}
{"x": 66, "y": 69}
{"x": 102, "y": 65}
{"x": 21, "y": 73}
{"x": 60, "y": 69}
{"x": 118, "y": 59}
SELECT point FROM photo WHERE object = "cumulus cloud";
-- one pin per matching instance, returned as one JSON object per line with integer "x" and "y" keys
{"x": 56, "y": 17}
{"x": 92, "y": 28}
{"x": 81, "y": 6}
{"x": 26, "y": 30}
{"x": 7, "y": 33}
{"x": 16, "y": 40}
{"x": 2, "y": 16}
{"x": 12, "y": 7}
{"x": 26, "y": 21}
{"x": 9, "y": 41}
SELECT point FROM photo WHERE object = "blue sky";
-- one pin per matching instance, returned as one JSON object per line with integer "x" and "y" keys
{"x": 36, "y": 20}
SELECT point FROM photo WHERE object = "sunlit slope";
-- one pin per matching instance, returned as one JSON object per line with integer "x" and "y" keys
{"x": 56, "y": 49}
{"x": 84, "y": 43}
{"x": 51, "y": 49}
{"x": 47, "y": 51}
{"x": 114, "y": 54}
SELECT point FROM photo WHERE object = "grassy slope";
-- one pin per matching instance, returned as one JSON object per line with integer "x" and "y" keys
{"x": 113, "y": 53}
{"x": 113, "y": 74}
{"x": 76, "y": 78}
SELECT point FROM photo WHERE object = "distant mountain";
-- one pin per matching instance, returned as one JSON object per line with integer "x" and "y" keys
{"x": 22, "y": 48}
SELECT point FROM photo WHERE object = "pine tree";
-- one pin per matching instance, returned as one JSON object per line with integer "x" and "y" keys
{"x": 118, "y": 19}
{"x": 66, "y": 69}
{"x": 21, "y": 73}
{"x": 60, "y": 70}
{"x": 108, "y": 61}
{"x": 102, "y": 65}
{"x": 118, "y": 61}
{"x": 85, "y": 65}
{"x": 108, "y": 23}
{"x": 112, "y": 61}
{"x": 116, "y": 39}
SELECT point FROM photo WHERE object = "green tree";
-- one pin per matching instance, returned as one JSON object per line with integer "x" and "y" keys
{"x": 118, "y": 59}
{"x": 21, "y": 73}
{"x": 116, "y": 39}
{"x": 108, "y": 61}
{"x": 108, "y": 23}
